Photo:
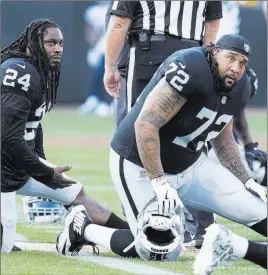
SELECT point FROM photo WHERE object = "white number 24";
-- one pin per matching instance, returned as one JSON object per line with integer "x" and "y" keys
{"x": 11, "y": 76}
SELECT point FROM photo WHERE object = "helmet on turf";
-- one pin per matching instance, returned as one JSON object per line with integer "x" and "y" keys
{"x": 42, "y": 210}
{"x": 159, "y": 238}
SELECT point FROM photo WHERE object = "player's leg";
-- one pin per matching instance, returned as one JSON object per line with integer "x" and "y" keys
{"x": 258, "y": 173}
{"x": 134, "y": 190}
{"x": 132, "y": 185}
{"x": 221, "y": 246}
{"x": 203, "y": 220}
{"x": 257, "y": 253}
{"x": 220, "y": 192}
{"x": 8, "y": 221}
{"x": 79, "y": 230}
{"x": 71, "y": 196}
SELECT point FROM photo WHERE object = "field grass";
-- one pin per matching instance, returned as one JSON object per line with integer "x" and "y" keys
{"x": 83, "y": 141}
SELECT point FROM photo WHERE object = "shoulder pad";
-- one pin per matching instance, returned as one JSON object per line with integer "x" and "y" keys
{"x": 187, "y": 71}
{"x": 19, "y": 75}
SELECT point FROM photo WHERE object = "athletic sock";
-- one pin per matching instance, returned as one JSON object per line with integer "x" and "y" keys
{"x": 99, "y": 235}
{"x": 240, "y": 246}
{"x": 116, "y": 222}
{"x": 115, "y": 240}
{"x": 257, "y": 253}
{"x": 260, "y": 227}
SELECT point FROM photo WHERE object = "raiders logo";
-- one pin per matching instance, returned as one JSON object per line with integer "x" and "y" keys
{"x": 246, "y": 47}
{"x": 143, "y": 174}
{"x": 223, "y": 100}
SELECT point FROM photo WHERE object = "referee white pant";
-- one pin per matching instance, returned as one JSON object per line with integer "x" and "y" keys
{"x": 33, "y": 188}
{"x": 206, "y": 185}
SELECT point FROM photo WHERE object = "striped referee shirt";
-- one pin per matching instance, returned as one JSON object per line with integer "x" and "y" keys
{"x": 184, "y": 19}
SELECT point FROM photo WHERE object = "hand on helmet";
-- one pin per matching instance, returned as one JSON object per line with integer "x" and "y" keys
{"x": 167, "y": 196}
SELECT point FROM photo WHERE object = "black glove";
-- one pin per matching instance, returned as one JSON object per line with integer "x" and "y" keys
{"x": 253, "y": 153}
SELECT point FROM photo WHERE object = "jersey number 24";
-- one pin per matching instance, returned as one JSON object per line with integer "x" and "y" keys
{"x": 11, "y": 78}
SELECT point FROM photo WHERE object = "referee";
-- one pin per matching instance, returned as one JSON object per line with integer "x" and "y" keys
{"x": 154, "y": 30}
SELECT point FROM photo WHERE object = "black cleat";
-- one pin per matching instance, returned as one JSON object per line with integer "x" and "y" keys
{"x": 71, "y": 239}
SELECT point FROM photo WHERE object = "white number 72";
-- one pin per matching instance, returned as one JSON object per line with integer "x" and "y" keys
{"x": 181, "y": 78}
{"x": 210, "y": 115}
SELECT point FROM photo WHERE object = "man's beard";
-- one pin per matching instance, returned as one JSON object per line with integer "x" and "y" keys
{"x": 55, "y": 67}
{"x": 224, "y": 88}
{"x": 220, "y": 82}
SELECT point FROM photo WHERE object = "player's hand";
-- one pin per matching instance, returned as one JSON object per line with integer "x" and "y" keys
{"x": 167, "y": 196}
{"x": 254, "y": 153}
{"x": 59, "y": 180}
{"x": 256, "y": 189}
{"x": 112, "y": 82}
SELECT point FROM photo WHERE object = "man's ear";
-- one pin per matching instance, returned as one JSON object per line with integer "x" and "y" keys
{"x": 215, "y": 51}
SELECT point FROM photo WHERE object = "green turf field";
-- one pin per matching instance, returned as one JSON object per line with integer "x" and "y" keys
{"x": 83, "y": 141}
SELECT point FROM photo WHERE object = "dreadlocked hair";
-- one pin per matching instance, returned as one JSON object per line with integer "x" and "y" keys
{"x": 213, "y": 65}
{"x": 31, "y": 38}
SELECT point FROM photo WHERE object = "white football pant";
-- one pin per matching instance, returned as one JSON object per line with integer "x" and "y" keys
{"x": 206, "y": 185}
{"x": 257, "y": 173}
{"x": 33, "y": 188}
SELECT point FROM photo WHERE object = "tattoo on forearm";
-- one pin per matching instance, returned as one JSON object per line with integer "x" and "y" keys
{"x": 149, "y": 149}
{"x": 165, "y": 106}
{"x": 163, "y": 109}
{"x": 229, "y": 157}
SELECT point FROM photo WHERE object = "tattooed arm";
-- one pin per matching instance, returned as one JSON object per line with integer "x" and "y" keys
{"x": 228, "y": 154}
{"x": 160, "y": 106}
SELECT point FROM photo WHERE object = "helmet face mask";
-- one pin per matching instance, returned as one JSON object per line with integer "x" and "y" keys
{"x": 42, "y": 210}
{"x": 159, "y": 238}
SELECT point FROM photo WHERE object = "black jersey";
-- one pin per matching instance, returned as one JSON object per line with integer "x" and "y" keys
{"x": 202, "y": 118}
{"x": 22, "y": 108}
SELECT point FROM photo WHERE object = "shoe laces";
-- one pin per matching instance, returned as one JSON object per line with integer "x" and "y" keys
{"x": 77, "y": 250}
{"x": 224, "y": 252}
{"x": 95, "y": 249}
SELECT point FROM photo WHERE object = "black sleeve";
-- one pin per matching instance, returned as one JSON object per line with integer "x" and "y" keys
{"x": 213, "y": 10}
{"x": 124, "y": 8}
{"x": 15, "y": 109}
{"x": 39, "y": 147}
{"x": 179, "y": 77}
{"x": 185, "y": 72}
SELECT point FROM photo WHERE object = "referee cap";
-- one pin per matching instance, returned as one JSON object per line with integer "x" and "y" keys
{"x": 234, "y": 43}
